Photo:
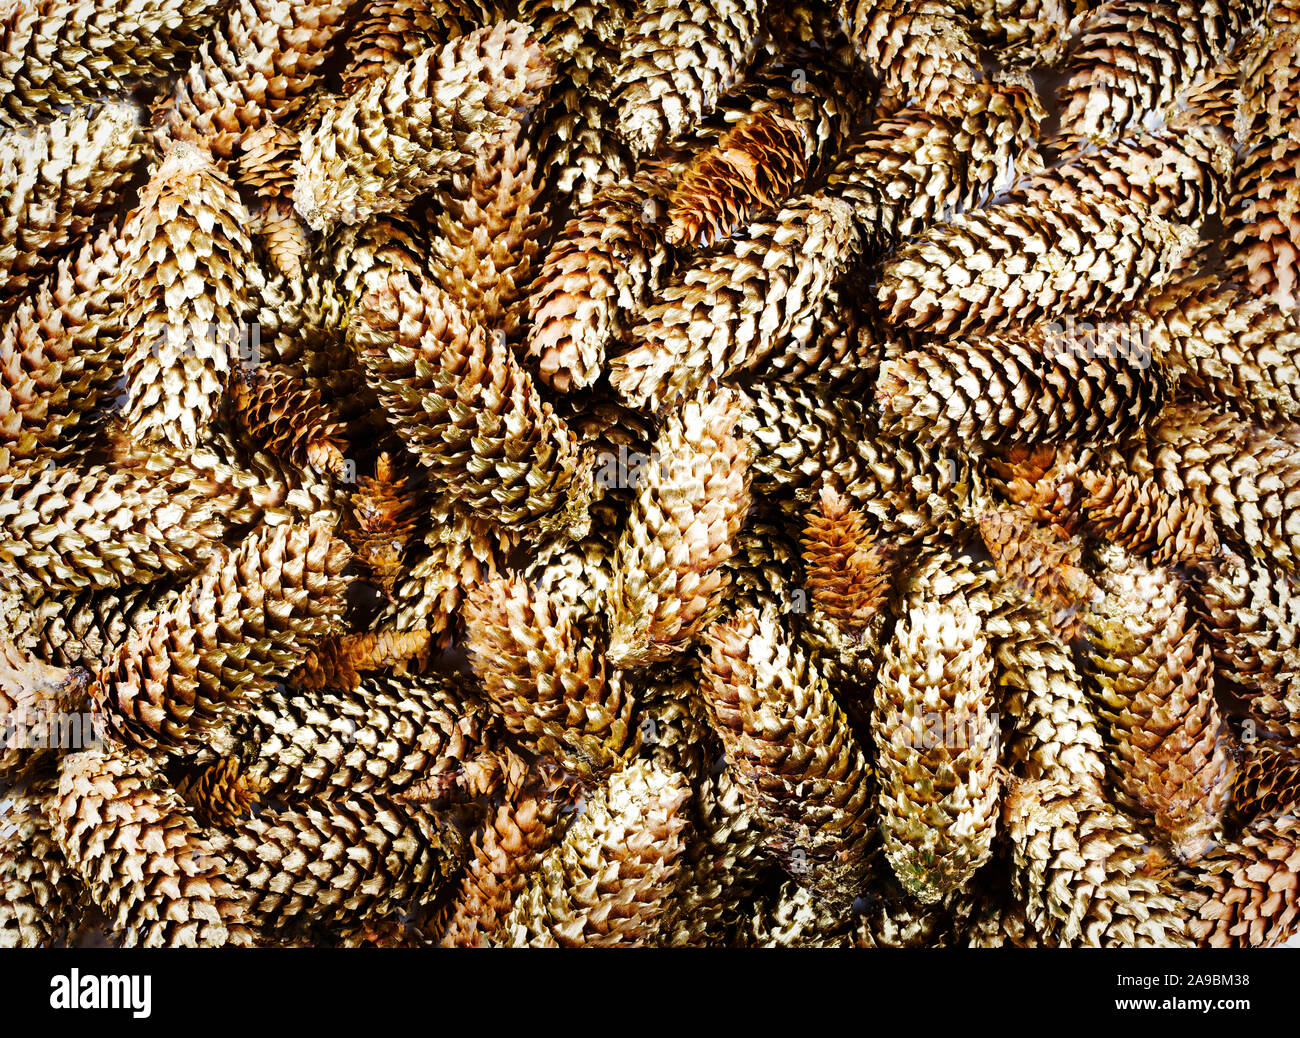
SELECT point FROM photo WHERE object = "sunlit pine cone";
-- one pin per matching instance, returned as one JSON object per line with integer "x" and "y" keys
{"x": 44, "y": 899}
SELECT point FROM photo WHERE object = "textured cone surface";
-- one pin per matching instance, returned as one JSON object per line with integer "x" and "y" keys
{"x": 502, "y": 857}
{"x": 339, "y": 660}
{"x": 1152, "y": 679}
{"x": 288, "y": 418}
{"x": 41, "y": 897}
{"x": 389, "y": 33}
{"x": 1139, "y": 516}
{"x": 343, "y": 861}
{"x": 1081, "y": 871}
{"x": 1021, "y": 262}
{"x": 536, "y": 664}
{"x": 489, "y": 227}
{"x": 35, "y": 701}
{"x": 904, "y": 173}
{"x": 935, "y": 729}
{"x": 608, "y": 882}
{"x": 53, "y": 52}
{"x": 161, "y": 880}
{"x": 467, "y": 409}
{"x": 384, "y": 736}
{"x": 606, "y": 263}
{"x": 55, "y": 179}
{"x": 798, "y": 761}
{"x": 1246, "y": 475}
{"x": 732, "y": 308}
{"x": 1134, "y": 58}
{"x": 1245, "y": 894}
{"x": 692, "y": 499}
{"x": 81, "y": 629}
{"x": 186, "y": 268}
{"x": 848, "y": 571}
{"x": 264, "y": 58}
{"x": 381, "y": 521}
{"x": 1268, "y": 782}
{"x": 406, "y": 133}
{"x": 1046, "y": 386}
{"x": 1045, "y": 565}
{"x": 54, "y": 350}
{"x": 1230, "y": 345}
{"x": 1250, "y": 614}
{"x": 918, "y": 50}
{"x": 244, "y": 622}
{"x": 677, "y": 59}
{"x": 220, "y": 793}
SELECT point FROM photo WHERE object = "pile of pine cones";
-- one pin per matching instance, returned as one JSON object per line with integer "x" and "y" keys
{"x": 661, "y": 472}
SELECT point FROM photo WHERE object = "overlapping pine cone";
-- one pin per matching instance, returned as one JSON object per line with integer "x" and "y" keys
{"x": 664, "y": 473}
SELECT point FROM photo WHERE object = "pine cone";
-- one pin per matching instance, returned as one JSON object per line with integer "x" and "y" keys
{"x": 38, "y": 704}
{"x": 53, "y": 54}
{"x": 1247, "y": 476}
{"x": 1043, "y": 480}
{"x": 677, "y": 59}
{"x": 792, "y": 751}
{"x": 607, "y": 263}
{"x": 1244, "y": 894}
{"x": 261, "y": 63}
{"x": 1250, "y": 613}
{"x": 1080, "y": 869}
{"x": 935, "y": 729}
{"x": 731, "y": 308}
{"x": 288, "y": 419}
{"x": 57, "y": 178}
{"x": 489, "y": 227}
{"x": 1025, "y": 32}
{"x": 1153, "y": 687}
{"x": 426, "y": 120}
{"x": 219, "y": 794}
{"x": 904, "y": 173}
{"x": 1085, "y": 254}
{"x": 1044, "y": 564}
{"x": 182, "y": 333}
{"x": 339, "y": 660}
{"x": 691, "y": 501}
{"x": 1051, "y": 385}
{"x": 162, "y": 881}
{"x": 1267, "y": 783}
{"x": 538, "y": 667}
{"x": 342, "y": 861}
{"x": 1140, "y": 517}
{"x": 83, "y": 629}
{"x": 1133, "y": 59}
{"x": 389, "y": 33}
{"x": 54, "y": 349}
{"x": 236, "y": 628}
{"x": 502, "y": 857}
{"x": 1230, "y": 346}
{"x": 42, "y": 899}
{"x": 382, "y": 737}
{"x": 608, "y": 882}
{"x": 918, "y": 49}
{"x": 468, "y": 410}
{"x": 848, "y": 571}
{"x": 101, "y": 527}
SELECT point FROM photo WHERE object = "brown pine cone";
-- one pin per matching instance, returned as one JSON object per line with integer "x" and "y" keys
{"x": 1081, "y": 871}
{"x": 288, "y": 418}
{"x": 848, "y": 570}
{"x": 536, "y": 662}
{"x": 221, "y": 793}
{"x": 39, "y": 705}
{"x": 691, "y": 501}
{"x": 161, "y": 880}
{"x": 1267, "y": 782}
{"x": 936, "y": 734}
{"x": 389, "y": 33}
{"x": 1139, "y": 516}
{"x": 345, "y": 861}
{"x": 1245, "y": 893}
{"x": 1052, "y": 385}
{"x": 383, "y": 737}
{"x": 792, "y": 752}
{"x": 1022, "y": 262}
{"x": 42, "y": 899}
